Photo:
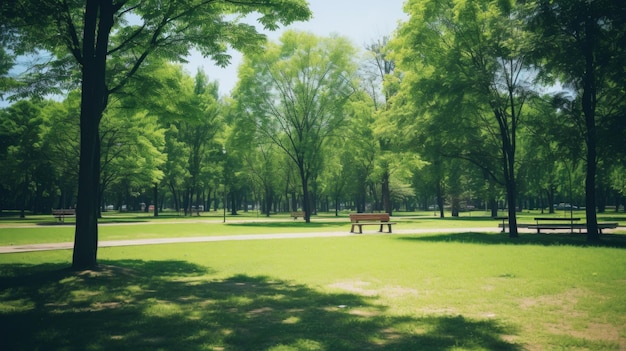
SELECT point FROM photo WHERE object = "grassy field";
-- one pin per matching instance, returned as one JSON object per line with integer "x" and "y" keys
{"x": 462, "y": 291}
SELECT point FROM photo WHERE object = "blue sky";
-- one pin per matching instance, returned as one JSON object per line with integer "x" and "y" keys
{"x": 363, "y": 21}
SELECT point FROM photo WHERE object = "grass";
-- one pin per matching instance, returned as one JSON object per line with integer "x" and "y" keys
{"x": 43, "y": 228}
{"x": 465, "y": 291}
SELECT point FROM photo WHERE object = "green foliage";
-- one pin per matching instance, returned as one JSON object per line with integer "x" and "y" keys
{"x": 295, "y": 94}
{"x": 442, "y": 105}
{"x": 26, "y": 170}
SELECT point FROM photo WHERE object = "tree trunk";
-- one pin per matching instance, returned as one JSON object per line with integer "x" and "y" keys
{"x": 455, "y": 205}
{"x": 440, "y": 202}
{"x": 306, "y": 202}
{"x": 386, "y": 193}
{"x": 589, "y": 107}
{"x": 156, "y": 199}
{"x": 268, "y": 200}
{"x": 493, "y": 204}
{"x": 511, "y": 191}
{"x": 512, "y": 200}
{"x": 94, "y": 96}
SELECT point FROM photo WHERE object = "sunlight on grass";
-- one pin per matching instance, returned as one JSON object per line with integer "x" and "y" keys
{"x": 462, "y": 291}
{"x": 15, "y": 305}
{"x": 299, "y": 345}
{"x": 160, "y": 308}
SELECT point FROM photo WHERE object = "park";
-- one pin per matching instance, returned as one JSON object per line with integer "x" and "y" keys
{"x": 434, "y": 284}
{"x": 456, "y": 183}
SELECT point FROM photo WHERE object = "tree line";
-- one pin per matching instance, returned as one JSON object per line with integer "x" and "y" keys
{"x": 494, "y": 104}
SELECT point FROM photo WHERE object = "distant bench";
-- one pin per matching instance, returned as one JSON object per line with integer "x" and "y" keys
{"x": 61, "y": 213}
{"x": 361, "y": 219}
{"x": 296, "y": 214}
{"x": 554, "y": 223}
{"x": 550, "y": 223}
{"x": 503, "y": 219}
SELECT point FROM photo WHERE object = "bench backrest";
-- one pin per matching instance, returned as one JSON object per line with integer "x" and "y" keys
{"x": 556, "y": 219}
{"x": 356, "y": 217}
{"x": 64, "y": 211}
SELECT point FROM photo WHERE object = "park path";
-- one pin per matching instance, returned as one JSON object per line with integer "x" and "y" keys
{"x": 199, "y": 239}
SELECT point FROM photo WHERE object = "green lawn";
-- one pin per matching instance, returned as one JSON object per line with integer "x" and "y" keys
{"x": 115, "y": 226}
{"x": 465, "y": 291}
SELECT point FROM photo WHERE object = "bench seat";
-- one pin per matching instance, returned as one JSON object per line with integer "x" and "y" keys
{"x": 297, "y": 214}
{"x": 361, "y": 219}
{"x": 579, "y": 226}
{"x": 61, "y": 213}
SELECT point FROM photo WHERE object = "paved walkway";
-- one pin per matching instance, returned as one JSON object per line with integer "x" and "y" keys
{"x": 198, "y": 239}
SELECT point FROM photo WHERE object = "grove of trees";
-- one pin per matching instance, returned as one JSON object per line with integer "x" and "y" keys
{"x": 468, "y": 104}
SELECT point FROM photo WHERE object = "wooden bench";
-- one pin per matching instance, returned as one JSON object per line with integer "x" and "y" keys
{"x": 297, "y": 214}
{"x": 611, "y": 225}
{"x": 61, "y": 213}
{"x": 572, "y": 226}
{"x": 361, "y": 219}
{"x": 555, "y": 223}
{"x": 503, "y": 219}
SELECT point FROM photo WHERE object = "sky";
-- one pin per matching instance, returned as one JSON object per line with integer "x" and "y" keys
{"x": 363, "y": 21}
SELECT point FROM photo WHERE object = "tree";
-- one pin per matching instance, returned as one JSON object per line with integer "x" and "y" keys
{"x": 132, "y": 151}
{"x": 581, "y": 43}
{"x": 384, "y": 67}
{"x": 86, "y": 36}
{"x": 295, "y": 93}
{"x": 21, "y": 150}
{"x": 197, "y": 131}
{"x": 469, "y": 58}
{"x": 191, "y": 114}
{"x": 261, "y": 158}
{"x": 63, "y": 147}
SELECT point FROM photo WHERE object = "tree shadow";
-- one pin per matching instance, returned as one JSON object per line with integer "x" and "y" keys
{"x": 551, "y": 239}
{"x": 172, "y": 305}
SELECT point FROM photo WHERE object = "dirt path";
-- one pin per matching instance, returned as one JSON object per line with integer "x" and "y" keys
{"x": 197, "y": 239}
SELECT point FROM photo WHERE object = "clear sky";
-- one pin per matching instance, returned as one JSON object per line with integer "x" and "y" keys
{"x": 363, "y": 21}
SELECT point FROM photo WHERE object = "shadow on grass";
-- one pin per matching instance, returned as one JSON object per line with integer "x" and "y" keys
{"x": 171, "y": 305}
{"x": 552, "y": 239}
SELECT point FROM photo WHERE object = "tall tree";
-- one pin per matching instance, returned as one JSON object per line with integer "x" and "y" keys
{"x": 469, "y": 57}
{"x": 87, "y": 35}
{"x": 21, "y": 132}
{"x": 132, "y": 151}
{"x": 295, "y": 93}
{"x": 384, "y": 67}
{"x": 581, "y": 43}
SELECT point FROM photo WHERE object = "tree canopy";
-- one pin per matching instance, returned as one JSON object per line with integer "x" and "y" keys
{"x": 500, "y": 104}
{"x": 103, "y": 44}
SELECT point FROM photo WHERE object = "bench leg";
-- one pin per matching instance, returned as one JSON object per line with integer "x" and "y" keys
{"x": 358, "y": 225}
{"x": 381, "y": 229}
{"x": 389, "y": 227}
